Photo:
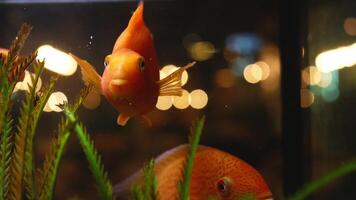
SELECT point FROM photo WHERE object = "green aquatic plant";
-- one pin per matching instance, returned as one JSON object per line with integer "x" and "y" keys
{"x": 194, "y": 138}
{"x": 95, "y": 165}
{"x": 18, "y": 177}
{"x": 318, "y": 183}
{"x": 148, "y": 189}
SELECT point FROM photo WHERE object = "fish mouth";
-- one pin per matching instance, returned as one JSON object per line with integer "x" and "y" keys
{"x": 118, "y": 82}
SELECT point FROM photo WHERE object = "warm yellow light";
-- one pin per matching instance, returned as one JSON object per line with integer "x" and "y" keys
{"x": 168, "y": 69}
{"x": 326, "y": 79}
{"x": 182, "y": 102}
{"x": 201, "y": 51}
{"x": 311, "y": 75}
{"x": 307, "y": 98}
{"x": 198, "y": 99}
{"x": 92, "y": 100}
{"x": 56, "y": 60}
{"x": 270, "y": 55}
{"x": 350, "y": 26}
{"x": 164, "y": 102}
{"x": 56, "y": 98}
{"x": 27, "y": 81}
{"x": 253, "y": 73}
{"x": 335, "y": 59}
{"x": 225, "y": 78}
{"x": 265, "y": 68}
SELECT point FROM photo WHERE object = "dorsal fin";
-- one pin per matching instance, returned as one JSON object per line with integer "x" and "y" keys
{"x": 137, "y": 17}
{"x": 89, "y": 75}
{"x": 172, "y": 84}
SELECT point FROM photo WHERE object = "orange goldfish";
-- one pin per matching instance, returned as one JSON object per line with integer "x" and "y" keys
{"x": 216, "y": 174}
{"x": 130, "y": 81}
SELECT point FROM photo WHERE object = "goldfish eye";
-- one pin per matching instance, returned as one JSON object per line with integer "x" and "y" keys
{"x": 223, "y": 186}
{"x": 105, "y": 63}
{"x": 141, "y": 64}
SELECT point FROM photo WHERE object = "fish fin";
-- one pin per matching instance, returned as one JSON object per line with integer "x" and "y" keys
{"x": 137, "y": 16}
{"x": 122, "y": 119}
{"x": 145, "y": 120}
{"x": 89, "y": 75}
{"x": 172, "y": 84}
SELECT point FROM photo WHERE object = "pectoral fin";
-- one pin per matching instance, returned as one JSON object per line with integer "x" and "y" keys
{"x": 172, "y": 84}
{"x": 122, "y": 119}
{"x": 89, "y": 75}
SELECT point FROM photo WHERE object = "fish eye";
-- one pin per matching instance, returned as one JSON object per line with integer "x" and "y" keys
{"x": 106, "y": 61}
{"x": 141, "y": 64}
{"x": 223, "y": 186}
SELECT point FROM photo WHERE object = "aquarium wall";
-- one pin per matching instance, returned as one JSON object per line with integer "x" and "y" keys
{"x": 235, "y": 83}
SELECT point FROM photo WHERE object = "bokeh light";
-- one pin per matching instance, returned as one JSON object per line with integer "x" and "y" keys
{"x": 198, "y": 99}
{"x": 350, "y": 26}
{"x": 311, "y": 75}
{"x": 182, "y": 102}
{"x": 331, "y": 93}
{"x": 56, "y": 60}
{"x": 225, "y": 78}
{"x": 253, "y": 73}
{"x": 335, "y": 59}
{"x": 326, "y": 79}
{"x": 270, "y": 55}
{"x": 189, "y": 39}
{"x": 164, "y": 102}
{"x": 168, "y": 69}
{"x": 306, "y": 98}
{"x": 24, "y": 85}
{"x": 244, "y": 43}
{"x": 55, "y": 99}
{"x": 202, "y": 50}
{"x": 266, "y": 70}
{"x": 92, "y": 100}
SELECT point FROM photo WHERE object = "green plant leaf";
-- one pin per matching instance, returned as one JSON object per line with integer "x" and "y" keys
{"x": 94, "y": 160}
{"x": 195, "y": 134}
{"x": 48, "y": 175}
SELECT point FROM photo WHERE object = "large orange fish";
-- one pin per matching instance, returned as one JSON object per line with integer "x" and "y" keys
{"x": 216, "y": 174}
{"x": 130, "y": 81}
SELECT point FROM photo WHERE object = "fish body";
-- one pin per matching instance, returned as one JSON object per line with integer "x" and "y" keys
{"x": 215, "y": 174}
{"x": 130, "y": 81}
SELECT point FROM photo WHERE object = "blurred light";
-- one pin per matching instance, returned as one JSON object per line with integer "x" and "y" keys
{"x": 330, "y": 93}
{"x": 4, "y": 51}
{"x": 244, "y": 43}
{"x": 56, "y": 60}
{"x": 335, "y": 59}
{"x": 189, "y": 39}
{"x": 326, "y": 79}
{"x": 201, "y": 51}
{"x": 225, "y": 78}
{"x": 238, "y": 65}
{"x": 27, "y": 81}
{"x": 253, "y": 73}
{"x": 270, "y": 55}
{"x": 164, "y": 102}
{"x": 182, "y": 102}
{"x": 307, "y": 98}
{"x": 311, "y": 75}
{"x": 56, "y": 98}
{"x": 92, "y": 100}
{"x": 198, "y": 99}
{"x": 265, "y": 69}
{"x": 350, "y": 26}
{"x": 168, "y": 69}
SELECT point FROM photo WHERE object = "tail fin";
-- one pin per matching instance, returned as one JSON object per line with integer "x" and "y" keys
{"x": 89, "y": 75}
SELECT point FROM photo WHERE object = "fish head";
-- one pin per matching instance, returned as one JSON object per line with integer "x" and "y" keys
{"x": 124, "y": 72}
{"x": 221, "y": 175}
